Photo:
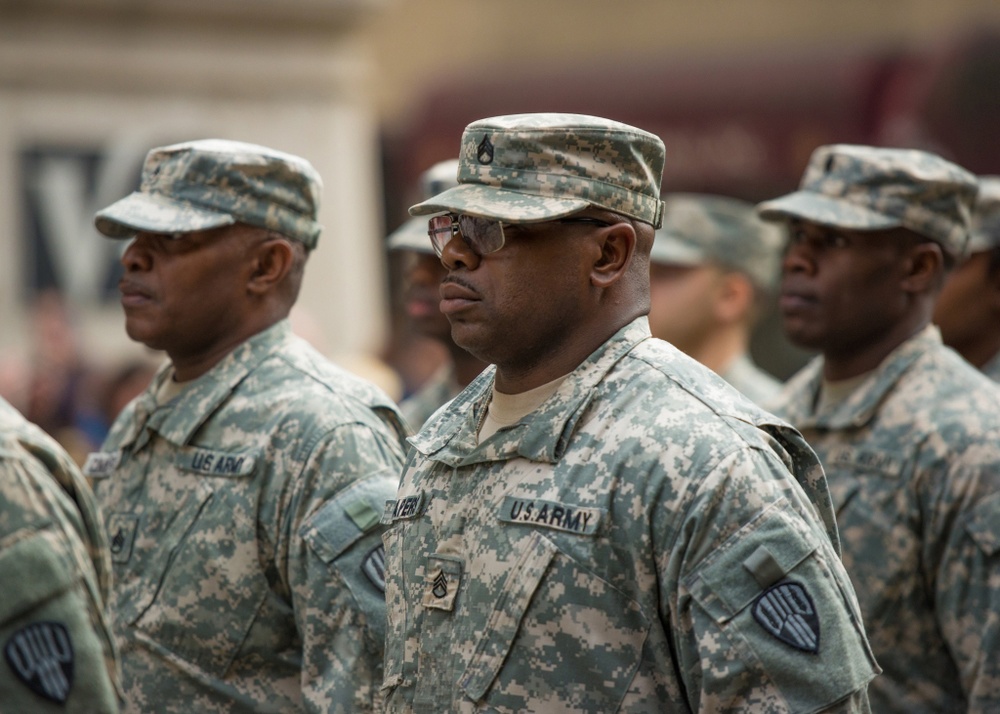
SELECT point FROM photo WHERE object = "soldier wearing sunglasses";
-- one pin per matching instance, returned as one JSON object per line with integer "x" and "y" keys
{"x": 597, "y": 523}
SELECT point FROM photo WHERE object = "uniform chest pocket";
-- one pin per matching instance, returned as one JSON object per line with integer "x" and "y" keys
{"x": 558, "y": 631}
{"x": 199, "y": 583}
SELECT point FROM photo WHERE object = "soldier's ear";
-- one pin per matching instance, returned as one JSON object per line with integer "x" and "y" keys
{"x": 617, "y": 246}
{"x": 271, "y": 261}
{"x": 923, "y": 268}
{"x": 734, "y": 298}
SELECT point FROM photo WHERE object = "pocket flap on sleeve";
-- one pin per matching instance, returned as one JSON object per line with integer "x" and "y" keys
{"x": 34, "y": 564}
{"x": 756, "y": 556}
{"x": 342, "y": 520}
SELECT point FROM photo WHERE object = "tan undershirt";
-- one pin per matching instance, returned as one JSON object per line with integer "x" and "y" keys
{"x": 833, "y": 394}
{"x": 507, "y": 409}
{"x": 169, "y": 389}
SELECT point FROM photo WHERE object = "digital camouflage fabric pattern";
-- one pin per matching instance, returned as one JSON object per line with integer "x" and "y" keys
{"x": 700, "y": 229}
{"x": 867, "y": 188}
{"x": 212, "y": 183}
{"x": 243, "y": 522}
{"x": 55, "y": 580}
{"x": 913, "y": 461}
{"x": 522, "y": 168}
{"x": 646, "y": 541}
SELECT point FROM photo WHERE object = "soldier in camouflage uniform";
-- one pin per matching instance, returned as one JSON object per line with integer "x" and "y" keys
{"x": 55, "y": 580}
{"x": 714, "y": 268}
{"x": 242, "y": 489}
{"x": 422, "y": 278}
{"x": 909, "y": 433}
{"x": 598, "y": 523}
{"x": 968, "y": 310}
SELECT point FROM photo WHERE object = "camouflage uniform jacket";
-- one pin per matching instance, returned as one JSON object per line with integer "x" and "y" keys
{"x": 755, "y": 383}
{"x": 439, "y": 389}
{"x": 608, "y": 553}
{"x": 913, "y": 461}
{"x": 55, "y": 579}
{"x": 243, "y": 522}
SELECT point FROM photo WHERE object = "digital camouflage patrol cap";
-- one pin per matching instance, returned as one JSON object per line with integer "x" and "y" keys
{"x": 211, "y": 183}
{"x": 523, "y": 168}
{"x": 412, "y": 235}
{"x": 986, "y": 216}
{"x": 872, "y": 189}
{"x": 700, "y": 229}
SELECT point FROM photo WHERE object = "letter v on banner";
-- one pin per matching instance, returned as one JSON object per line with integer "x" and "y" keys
{"x": 62, "y": 190}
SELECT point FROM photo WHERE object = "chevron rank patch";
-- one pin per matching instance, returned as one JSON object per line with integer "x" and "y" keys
{"x": 787, "y": 612}
{"x": 41, "y": 656}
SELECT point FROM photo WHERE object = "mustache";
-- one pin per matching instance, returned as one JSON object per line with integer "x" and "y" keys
{"x": 457, "y": 280}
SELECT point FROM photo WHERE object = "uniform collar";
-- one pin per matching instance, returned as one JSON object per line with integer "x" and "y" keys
{"x": 178, "y": 420}
{"x": 543, "y": 435}
{"x": 860, "y": 407}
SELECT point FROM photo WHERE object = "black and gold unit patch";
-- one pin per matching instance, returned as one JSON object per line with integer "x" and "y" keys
{"x": 41, "y": 656}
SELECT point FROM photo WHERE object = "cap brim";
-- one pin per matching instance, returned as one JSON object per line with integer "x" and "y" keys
{"x": 412, "y": 235}
{"x": 498, "y": 203}
{"x": 826, "y": 211}
{"x": 156, "y": 214}
{"x": 671, "y": 251}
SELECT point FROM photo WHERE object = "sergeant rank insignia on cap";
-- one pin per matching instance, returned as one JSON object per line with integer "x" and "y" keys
{"x": 786, "y": 611}
{"x": 41, "y": 656}
{"x": 484, "y": 152}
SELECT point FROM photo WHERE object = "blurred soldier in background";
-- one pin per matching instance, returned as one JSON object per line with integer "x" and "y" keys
{"x": 968, "y": 311}
{"x": 598, "y": 523}
{"x": 242, "y": 490}
{"x": 422, "y": 274}
{"x": 55, "y": 580}
{"x": 909, "y": 433}
{"x": 713, "y": 271}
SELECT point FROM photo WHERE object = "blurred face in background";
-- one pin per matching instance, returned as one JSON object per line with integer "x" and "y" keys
{"x": 422, "y": 274}
{"x": 840, "y": 288}
{"x": 968, "y": 306}
{"x": 683, "y": 301}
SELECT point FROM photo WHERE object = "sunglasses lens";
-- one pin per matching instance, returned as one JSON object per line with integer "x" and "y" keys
{"x": 439, "y": 228}
{"x": 483, "y": 235}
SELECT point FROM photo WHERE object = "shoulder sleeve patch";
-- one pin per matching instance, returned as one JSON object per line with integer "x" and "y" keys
{"x": 787, "y": 612}
{"x": 41, "y": 656}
